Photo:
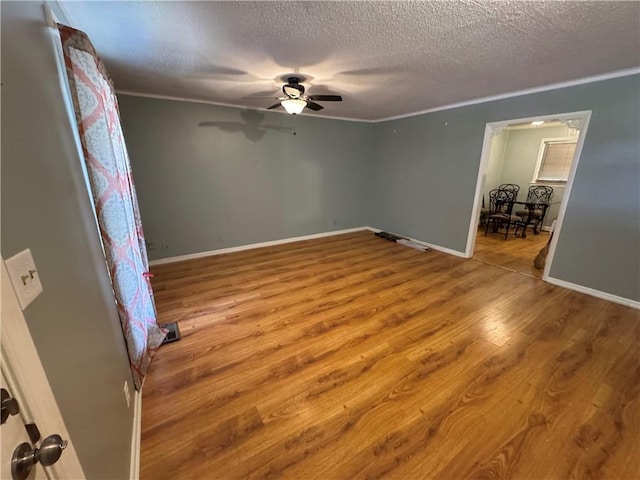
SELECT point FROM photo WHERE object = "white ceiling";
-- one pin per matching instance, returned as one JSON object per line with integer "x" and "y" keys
{"x": 385, "y": 58}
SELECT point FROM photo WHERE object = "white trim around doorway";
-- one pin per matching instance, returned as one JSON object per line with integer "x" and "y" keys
{"x": 491, "y": 128}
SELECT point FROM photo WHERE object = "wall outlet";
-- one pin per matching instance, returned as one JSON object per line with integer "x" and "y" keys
{"x": 24, "y": 277}
{"x": 127, "y": 394}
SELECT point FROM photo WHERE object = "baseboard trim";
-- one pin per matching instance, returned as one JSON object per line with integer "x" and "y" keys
{"x": 221, "y": 251}
{"x": 595, "y": 293}
{"x": 426, "y": 244}
{"x": 134, "y": 469}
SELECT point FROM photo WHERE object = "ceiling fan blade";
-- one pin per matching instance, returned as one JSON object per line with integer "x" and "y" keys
{"x": 326, "y": 98}
{"x": 314, "y": 106}
{"x": 272, "y": 107}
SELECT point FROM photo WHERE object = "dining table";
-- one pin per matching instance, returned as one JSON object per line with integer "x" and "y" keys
{"x": 531, "y": 207}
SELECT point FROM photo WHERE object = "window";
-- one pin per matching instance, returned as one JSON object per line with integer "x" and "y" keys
{"x": 554, "y": 160}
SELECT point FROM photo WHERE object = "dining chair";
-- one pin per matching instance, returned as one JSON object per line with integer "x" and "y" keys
{"x": 538, "y": 201}
{"x": 510, "y": 187}
{"x": 501, "y": 211}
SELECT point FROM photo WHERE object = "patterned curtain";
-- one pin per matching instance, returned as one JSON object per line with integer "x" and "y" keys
{"x": 114, "y": 196}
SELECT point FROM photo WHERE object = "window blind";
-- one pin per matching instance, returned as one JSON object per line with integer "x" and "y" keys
{"x": 556, "y": 161}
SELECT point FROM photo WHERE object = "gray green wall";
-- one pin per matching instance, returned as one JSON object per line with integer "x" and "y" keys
{"x": 519, "y": 163}
{"x": 493, "y": 175}
{"x": 428, "y": 166}
{"x": 210, "y": 177}
{"x": 46, "y": 207}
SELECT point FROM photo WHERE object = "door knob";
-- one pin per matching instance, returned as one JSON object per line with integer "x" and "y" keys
{"x": 50, "y": 450}
{"x": 8, "y": 405}
{"x": 25, "y": 457}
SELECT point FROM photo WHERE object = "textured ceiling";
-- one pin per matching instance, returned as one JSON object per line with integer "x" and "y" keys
{"x": 385, "y": 58}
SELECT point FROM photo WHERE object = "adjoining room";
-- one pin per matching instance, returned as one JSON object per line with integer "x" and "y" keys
{"x": 284, "y": 240}
{"x": 528, "y": 170}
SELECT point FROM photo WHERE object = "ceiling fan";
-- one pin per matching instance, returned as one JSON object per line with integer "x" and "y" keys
{"x": 294, "y": 100}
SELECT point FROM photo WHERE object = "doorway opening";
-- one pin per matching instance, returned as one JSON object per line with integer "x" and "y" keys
{"x": 524, "y": 183}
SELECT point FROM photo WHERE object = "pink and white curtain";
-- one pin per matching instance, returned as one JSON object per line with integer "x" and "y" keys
{"x": 114, "y": 196}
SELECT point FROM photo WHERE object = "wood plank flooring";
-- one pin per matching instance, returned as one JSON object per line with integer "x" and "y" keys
{"x": 350, "y": 357}
{"x": 514, "y": 253}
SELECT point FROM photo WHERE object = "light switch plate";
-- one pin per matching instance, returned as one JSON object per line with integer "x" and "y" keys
{"x": 24, "y": 277}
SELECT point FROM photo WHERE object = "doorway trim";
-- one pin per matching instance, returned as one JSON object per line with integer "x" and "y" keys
{"x": 28, "y": 381}
{"x": 491, "y": 129}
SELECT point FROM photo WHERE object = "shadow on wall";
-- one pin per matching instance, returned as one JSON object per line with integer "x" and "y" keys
{"x": 250, "y": 127}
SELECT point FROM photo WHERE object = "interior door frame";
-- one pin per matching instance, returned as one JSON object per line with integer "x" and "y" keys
{"x": 28, "y": 382}
{"x": 491, "y": 129}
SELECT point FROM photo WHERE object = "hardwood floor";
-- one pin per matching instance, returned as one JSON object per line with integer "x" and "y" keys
{"x": 353, "y": 357}
{"x": 514, "y": 253}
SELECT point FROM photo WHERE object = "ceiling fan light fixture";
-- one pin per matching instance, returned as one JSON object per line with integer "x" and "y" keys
{"x": 294, "y": 106}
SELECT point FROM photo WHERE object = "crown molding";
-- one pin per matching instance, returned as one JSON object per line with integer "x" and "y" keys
{"x": 552, "y": 86}
{"x": 228, "y": 105}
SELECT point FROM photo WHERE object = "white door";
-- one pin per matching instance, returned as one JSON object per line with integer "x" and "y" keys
{"x": 27, "y": 382}
{"x": 13, "y": 434}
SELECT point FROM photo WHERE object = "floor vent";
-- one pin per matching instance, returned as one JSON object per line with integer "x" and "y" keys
{"x": 174, "y": 332}
{"x": 402, "y": 241}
